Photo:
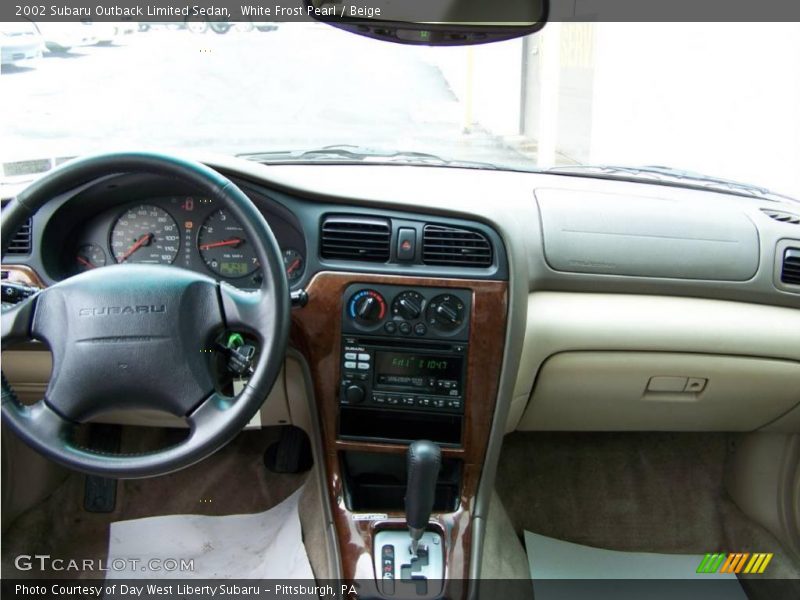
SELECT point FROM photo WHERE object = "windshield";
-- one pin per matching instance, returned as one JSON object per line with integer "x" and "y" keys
{"x": 718, "y": 99}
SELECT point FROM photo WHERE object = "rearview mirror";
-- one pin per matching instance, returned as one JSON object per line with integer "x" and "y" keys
{"x": 433, "y": 22}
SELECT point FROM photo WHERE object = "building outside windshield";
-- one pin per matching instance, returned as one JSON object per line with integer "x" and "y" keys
{"x": 719, "y": 99}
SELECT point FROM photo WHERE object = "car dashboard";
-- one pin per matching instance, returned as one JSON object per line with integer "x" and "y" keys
{"x": 458, "y": 305}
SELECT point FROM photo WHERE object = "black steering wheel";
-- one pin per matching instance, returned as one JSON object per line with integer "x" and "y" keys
{"x": 132, "y": 337}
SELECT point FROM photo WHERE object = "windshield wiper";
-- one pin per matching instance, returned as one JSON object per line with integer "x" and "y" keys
{"x": 670, "y": 176}
{"x": 348, "y": 153}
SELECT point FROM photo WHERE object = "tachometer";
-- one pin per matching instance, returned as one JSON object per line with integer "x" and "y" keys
{"x": 145, "y": 234}
{"x": 224, "y": 247}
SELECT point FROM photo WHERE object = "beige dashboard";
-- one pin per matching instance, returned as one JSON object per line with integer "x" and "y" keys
{"x": 580, "y": 348}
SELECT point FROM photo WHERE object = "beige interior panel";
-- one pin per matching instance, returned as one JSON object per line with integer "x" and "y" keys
{"x": 763, "y": 479}
{"x": 560, "y": 322}
{"x": 28, "y": 371}
{"x": 658, "y": 391}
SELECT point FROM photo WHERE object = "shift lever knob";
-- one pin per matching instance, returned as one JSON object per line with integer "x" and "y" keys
{"x": 424, "y": 460}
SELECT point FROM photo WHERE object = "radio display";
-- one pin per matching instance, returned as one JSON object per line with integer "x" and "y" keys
{"x": 406, "y": 369}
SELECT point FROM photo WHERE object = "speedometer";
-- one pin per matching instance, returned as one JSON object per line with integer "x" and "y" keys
{"x": 145, "y": 234}
{"x": 224, "y": 247}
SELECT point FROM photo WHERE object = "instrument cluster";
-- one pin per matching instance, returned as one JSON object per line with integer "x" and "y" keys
{"x": 187, "y": 231}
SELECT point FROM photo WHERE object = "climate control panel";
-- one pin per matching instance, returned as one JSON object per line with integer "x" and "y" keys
{"x": 406, "y": 312}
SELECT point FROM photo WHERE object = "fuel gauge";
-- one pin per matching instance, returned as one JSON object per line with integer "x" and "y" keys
{"x": 89, "y": 256}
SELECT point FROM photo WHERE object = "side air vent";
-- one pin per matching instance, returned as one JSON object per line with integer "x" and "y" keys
{"x": 790, "y": 271}
{"x": 455, "y": 247}
{"x": 348, "y": 237}
{"x": 783, "y": 217}
{"x": 22, "y": 242}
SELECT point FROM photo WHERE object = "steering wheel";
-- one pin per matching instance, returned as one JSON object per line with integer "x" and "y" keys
{"x": 132, "y": 337}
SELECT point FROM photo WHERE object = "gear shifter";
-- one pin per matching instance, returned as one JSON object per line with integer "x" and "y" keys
{"x": 424, "y": 460}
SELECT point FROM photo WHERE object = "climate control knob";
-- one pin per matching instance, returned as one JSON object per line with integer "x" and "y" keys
{"x": 445, "y": 313}
{"x": 408, "y": 305}
{"x": 367, "y": 307}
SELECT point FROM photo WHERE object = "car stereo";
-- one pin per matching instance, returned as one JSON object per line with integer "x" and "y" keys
{"x": 404, "y": 348}
{"x": 422, "y": 377}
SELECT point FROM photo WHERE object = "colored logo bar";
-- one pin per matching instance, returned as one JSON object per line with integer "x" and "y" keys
{"x": 735, "y": 562}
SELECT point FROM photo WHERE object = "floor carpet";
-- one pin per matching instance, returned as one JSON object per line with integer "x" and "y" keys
{"x": 656, "y": 492}
{"x": 232, "y": 481}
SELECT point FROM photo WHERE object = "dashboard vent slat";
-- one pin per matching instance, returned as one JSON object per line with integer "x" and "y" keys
{"x": 790, "y": 270}
{"x": 345, "y": 237}
{"x": 451, "y": 246}
{"x": 783, "y": 217}
{"x": 22, "y": 242}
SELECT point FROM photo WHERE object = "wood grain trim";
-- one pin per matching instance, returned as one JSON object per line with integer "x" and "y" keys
{"x": 316, "y": 332}
{"x": 22, "y": 274}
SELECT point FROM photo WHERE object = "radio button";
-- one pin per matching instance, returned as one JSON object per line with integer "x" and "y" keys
{"x": 439, "y": 402}
{"x": 392, "y": 400}
{"x": 349, "y": 355}
{"x": 363, "y": 357}
{"x": 379, "y": 398}
{"x": 363, "y": 366}
{"x": 349, "y": 365}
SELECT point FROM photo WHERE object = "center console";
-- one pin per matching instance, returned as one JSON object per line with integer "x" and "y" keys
{"x": 396, "y": 360}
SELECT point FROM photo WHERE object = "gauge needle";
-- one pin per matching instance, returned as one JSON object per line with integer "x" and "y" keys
{"x": 293, "y": 266}
{"x": 83, "y": 261}
{"x": 230, "y": 242}
{"x": 142, "y": 241}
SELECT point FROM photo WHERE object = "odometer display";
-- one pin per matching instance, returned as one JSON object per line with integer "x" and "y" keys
{"x": 224, "y": 247}
{"x": 145, "y": 234}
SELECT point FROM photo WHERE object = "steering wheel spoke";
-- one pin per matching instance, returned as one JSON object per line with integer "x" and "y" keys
{"x": 245, "y": 310}
{"x": 17, "y": 320}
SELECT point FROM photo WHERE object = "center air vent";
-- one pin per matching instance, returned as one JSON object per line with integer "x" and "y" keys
{"x": 455, "y": 247}
{"x": 783, "y": 217}
{"x": 22, "y": 241}
{"x": 790, "y": 270}
{"x": 346, "y": 237}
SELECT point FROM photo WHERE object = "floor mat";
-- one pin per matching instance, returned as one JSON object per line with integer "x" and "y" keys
{"x": 551, "y": 559}
{"x": 636, "y": 492}
{"x": 265, "y": 545}
{"x": 232, "y": 481}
